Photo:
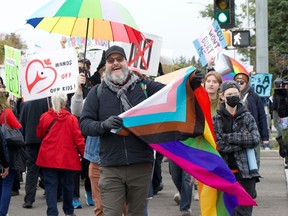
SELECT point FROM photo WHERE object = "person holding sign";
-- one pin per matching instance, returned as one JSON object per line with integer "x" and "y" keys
{"x": 254, "y": 104}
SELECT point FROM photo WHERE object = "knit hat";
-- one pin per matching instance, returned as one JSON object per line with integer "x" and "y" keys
{"x": 115, "y": 49}
{"x": 229, "y": 84}
{"x": 242, "y": 76}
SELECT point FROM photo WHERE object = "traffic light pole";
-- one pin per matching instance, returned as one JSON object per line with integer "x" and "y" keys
{"x": 261, "y": 37}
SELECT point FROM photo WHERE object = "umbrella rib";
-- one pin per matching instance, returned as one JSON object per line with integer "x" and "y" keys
{"x": 73, "y": 27}
{"x": 55, "y": 25}
{"x": 111, "y": 30}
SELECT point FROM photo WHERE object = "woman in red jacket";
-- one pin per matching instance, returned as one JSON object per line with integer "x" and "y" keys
{"x": 58, "y": 154}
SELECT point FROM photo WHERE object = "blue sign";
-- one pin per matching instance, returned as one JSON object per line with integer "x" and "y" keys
{"x": 262, "y": 84}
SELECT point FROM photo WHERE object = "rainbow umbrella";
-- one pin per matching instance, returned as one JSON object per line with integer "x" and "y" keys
{"x": 95, "y": 19}
{"x": 228, "y": 67}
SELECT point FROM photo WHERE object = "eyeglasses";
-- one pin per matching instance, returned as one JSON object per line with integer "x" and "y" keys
{"x": 240, "y": 82}
{"x": 118, "y": 59}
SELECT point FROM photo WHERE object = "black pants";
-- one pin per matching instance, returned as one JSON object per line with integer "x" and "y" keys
{"x": 250, "y": 186}
{"x": 157, "y": 174}
{"x": 32, "y": 172}
{"x": 84, "y": 175}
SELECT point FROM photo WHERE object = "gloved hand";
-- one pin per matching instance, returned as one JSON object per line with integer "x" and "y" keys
{"x": 113, "y": 122}
{"x": 196, "y": 81}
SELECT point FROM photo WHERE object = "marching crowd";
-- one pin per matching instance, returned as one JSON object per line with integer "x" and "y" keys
{"x": 68, "y": 138}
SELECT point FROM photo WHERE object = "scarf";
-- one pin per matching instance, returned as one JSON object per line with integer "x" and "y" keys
{"x": 122, "y": 90}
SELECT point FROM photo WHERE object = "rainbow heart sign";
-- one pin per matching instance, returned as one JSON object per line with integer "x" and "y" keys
{"x": 228, "y": 67}
{"x": 49, "y": 72}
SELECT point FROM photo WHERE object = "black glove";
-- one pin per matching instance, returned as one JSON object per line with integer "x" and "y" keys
{"x": 113, "y": 122}
{"x": 196, "y": 81}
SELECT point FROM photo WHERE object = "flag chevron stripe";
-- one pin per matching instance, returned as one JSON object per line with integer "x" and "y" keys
{"x": 175, "y": 95}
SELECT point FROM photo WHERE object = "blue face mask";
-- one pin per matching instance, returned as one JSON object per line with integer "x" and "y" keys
{"x": 232, "y": 101}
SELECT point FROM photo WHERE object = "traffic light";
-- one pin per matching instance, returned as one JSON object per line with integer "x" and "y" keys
{"x": 224, "y": 13}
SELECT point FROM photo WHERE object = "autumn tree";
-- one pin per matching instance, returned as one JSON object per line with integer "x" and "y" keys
{"x": 12, "y": 40}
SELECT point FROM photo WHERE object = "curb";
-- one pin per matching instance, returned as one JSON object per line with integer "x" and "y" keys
{"x": 286, "y": 178}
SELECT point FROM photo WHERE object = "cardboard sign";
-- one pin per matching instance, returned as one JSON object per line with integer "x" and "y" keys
{"x": 12, "y": 65}
{"x": 210, "y": 43}
{"x": 262, "y": 84}
{"x": 49, "y": 72}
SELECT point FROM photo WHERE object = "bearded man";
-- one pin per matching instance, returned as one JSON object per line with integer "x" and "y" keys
{"x": 125, "y": 162}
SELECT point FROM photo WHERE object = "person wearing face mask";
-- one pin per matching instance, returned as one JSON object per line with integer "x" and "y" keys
{"x": 236, "y": 132}
{"x": 254, "y": 104}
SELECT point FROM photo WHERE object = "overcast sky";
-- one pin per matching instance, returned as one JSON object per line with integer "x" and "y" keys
{"x": 177, "y": 22}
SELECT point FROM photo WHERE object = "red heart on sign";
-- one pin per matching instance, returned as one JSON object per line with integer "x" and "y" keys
{"x": 41, "y": 73}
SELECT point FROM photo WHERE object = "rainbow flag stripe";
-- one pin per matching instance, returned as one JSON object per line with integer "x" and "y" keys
{"x": 176, "y": 122}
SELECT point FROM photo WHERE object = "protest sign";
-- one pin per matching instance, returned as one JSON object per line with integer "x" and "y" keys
{"x": 262, "y": 83}
{"x": 210, "y": 43}
{"x": 146, "y": 55}
{"x": 49, "y": 72}
{"x": 12, "y": 62}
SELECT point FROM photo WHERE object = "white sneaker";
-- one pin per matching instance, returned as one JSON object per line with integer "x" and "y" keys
{"x": 177, "y": 198}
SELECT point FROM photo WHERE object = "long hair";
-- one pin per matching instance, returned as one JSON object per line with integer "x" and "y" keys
{"x": 215, "y": 74}
{"x": 3, "y": 101}
{"x": 59, "y": 100}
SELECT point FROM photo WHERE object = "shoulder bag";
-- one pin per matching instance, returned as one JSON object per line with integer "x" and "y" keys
{"x": 13, "y": 136}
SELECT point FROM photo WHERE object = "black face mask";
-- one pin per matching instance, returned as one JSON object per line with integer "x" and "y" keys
{"x": 233, "y": 100}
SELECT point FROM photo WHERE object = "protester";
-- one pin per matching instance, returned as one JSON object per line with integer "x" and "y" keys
{"x": 126, "y": 162}
{"x": 81, "y": 92}
{"x": 7, "y": 178}
{"x": 58, "y": 122}
{"x": 236, "y": 131}
{"x": 280, "y": 115}
{"x": 121, "y": 89}
{"x": 254, "y": 104}
{"x": 30, "y": 112}
{"x": 212, "y": 82}
{"x": 3, "y": 160}
{"x": 92, "y": 143}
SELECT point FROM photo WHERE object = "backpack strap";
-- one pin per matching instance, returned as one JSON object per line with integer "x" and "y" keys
{"x": 51, "y": 124}
{"x": 98, "y": 89}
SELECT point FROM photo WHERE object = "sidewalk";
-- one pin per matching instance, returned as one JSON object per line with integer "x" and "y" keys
{"x": 272, "y": 194}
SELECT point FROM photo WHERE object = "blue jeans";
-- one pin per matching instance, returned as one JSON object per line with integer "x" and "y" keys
{"x": 5, "y": 192}
{"x": 51, "y": 179}
{"x": 182, "y": 181}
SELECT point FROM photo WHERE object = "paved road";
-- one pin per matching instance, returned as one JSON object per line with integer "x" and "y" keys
{"x": 272, "y": 194}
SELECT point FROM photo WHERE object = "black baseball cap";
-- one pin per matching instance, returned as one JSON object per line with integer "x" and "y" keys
{"x": 115, "y": 49}
{"x": 229, "y": 84}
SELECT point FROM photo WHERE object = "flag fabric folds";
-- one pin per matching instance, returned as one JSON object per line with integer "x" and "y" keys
{"x": 176, "y": 122}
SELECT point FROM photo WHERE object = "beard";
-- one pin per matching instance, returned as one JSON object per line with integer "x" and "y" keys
{"x": 118, "y": 79}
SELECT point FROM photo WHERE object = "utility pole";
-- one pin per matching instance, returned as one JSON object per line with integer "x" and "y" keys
{"x": 262, "y": 37}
